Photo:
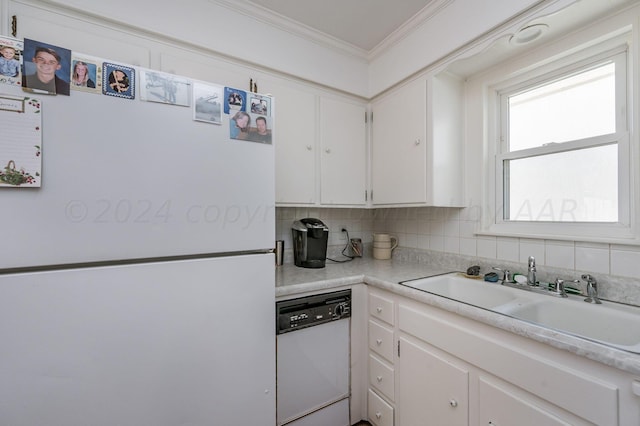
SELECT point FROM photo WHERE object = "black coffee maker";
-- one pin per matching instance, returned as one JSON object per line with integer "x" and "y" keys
{"x": 310, "y": 237}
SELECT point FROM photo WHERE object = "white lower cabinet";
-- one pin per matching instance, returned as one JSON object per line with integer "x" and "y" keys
{"x": 381, "y": 340}
{"x": 428, "y": 366}
{"x": 432, "y": 389}
{"x": 503, "y": 405}
{"x": 380, "y": 412}
{"x": 382, "y": 375}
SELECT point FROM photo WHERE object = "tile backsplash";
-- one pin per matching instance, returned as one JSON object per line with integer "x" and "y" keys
{"x": 452, "y": 231}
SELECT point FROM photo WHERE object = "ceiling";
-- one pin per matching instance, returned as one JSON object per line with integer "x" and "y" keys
{"x": 363, "y": 24}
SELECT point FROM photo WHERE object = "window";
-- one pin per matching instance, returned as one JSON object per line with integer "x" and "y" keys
{"x": 561, "y": 163}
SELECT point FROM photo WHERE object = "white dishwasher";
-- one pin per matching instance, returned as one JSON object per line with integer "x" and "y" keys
{"x": 313, "y": 358}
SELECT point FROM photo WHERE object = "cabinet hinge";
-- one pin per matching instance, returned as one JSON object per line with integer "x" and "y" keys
{"x": 398, "y": 348}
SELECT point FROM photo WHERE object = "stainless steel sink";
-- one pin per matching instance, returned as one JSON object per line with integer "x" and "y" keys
{"x": 610, "y": 323}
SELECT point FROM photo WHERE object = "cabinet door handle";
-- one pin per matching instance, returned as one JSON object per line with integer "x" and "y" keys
{"x": 378, "y": 415}
{"x": 417, "y": 141}
{"x": 378, "y": 342}
{"x": 328, "y": 151}
{"x": 379, "y": 309}
{"x": 309, "y": 147}
{"x": 453, "y": 403}
{"x": 379, "y": 379}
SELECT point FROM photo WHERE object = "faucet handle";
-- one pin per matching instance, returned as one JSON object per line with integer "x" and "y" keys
{"x": 506, "y": 274}
{"x": 589, "y": 279}
{"x": 592, "y": 289}
{"x": 558, "y": 286}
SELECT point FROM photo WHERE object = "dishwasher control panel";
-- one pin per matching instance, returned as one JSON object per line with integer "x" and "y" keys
{"x": 296, "y": 314}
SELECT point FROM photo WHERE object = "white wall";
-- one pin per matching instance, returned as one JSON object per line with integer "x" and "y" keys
{"x": 209, "y": 25}
{"x": 452, "y": 230}
{"x": 228, "y": 32}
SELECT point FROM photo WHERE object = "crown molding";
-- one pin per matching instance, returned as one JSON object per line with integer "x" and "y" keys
{"x": 416, "y": 21}
{"x": 283, "y": 23}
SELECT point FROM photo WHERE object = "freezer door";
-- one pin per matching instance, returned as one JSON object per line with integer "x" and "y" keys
{"x": 151, "y": 183}
{"x": 163, "y": 344}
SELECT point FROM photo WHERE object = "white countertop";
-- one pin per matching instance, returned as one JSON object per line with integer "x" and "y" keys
{"x": 386, "y": 274}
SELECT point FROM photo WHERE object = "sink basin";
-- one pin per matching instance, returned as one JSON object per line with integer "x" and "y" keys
{"x": 610, "y": 323}
{"x": 472, "y": 291}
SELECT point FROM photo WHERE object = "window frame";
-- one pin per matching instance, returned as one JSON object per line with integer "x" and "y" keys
{"x": 625, "y": 229}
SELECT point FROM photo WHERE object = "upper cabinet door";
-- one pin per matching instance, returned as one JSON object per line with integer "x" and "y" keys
{"x": 295, "y": 136}
{"x": 343, "y": 153}
{"x": 399, "y": 146}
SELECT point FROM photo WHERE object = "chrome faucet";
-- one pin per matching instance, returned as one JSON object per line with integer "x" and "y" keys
{"x": 592, "y": 289}
{"x": 531, "y": 273}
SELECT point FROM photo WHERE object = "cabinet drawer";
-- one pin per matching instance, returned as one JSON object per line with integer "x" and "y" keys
{"x": 381, "y": 308}
{"x": 381, "y": 340}
{"x": 381, "y": 377}
{"x": 380, "y": 413}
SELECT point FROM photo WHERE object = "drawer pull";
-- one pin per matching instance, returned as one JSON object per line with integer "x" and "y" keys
{"x": 378, "y": 342}
{"x": 379, "y": 309}
{"x": 453, "y": 403}
{"x": 378, "y": 415}
{"x": 379, "y": 379}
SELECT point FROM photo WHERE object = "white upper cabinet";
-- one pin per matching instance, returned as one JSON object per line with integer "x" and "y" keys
{"x": 320, "y": 149}
{"x": 398, "y": 146}
{"x": 445, "y": 124}
{"x": 417, "y": 144}
{"x": 343, "y": 153}
{"x": 295, "y": 140}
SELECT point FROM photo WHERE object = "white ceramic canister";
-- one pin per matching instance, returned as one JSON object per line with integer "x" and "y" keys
{"x": 383, "y": 245}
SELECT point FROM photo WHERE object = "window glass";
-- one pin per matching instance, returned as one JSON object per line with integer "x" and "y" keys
{"x": 570, "y": 186}
{"x": 577, "y": 107}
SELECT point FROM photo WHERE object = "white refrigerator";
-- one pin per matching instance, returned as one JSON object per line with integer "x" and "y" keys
{"x": 137, "y": 283}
